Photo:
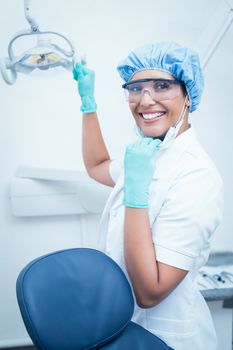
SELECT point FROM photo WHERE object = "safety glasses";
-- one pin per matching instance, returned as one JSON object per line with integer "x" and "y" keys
{"x": 159, "y": 89}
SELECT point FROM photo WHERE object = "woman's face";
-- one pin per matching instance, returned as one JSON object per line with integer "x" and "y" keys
{"x": 154, "y": 118}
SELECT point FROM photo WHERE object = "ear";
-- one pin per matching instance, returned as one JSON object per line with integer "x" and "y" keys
{"x": 187, "y": 103}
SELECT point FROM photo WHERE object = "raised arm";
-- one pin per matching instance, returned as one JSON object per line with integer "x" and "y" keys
{"x": 95, "y": 154}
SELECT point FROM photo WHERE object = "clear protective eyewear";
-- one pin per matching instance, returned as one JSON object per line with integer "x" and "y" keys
{"x": 159, "y": 89}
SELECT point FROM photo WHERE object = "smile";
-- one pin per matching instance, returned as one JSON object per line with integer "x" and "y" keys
{"x": 152, "y": 116}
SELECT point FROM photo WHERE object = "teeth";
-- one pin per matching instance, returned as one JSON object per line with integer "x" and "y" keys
{"x": 152, "y": 115}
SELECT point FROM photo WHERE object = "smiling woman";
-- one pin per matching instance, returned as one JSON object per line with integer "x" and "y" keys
{"x": 157, "y": 102}
{"x": 167, "y": 196}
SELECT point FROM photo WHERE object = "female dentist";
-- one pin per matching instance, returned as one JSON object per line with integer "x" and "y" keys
{"x": 167, "y": 197}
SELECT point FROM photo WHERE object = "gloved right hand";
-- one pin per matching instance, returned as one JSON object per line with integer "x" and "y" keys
{"x": 139, "y": 167}
{"x": 86, "y": 82}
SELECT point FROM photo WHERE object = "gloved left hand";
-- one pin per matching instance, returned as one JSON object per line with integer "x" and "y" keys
{"x": 86, "y": 83}
{"x": 139, "y": 167}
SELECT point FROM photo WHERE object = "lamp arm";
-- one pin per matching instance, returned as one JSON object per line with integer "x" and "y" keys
{"x": 29, "y": 17}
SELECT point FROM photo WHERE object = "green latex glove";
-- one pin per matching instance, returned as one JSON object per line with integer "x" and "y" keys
{"x": 139, "y": 167}
{"x": 86, "y": 82}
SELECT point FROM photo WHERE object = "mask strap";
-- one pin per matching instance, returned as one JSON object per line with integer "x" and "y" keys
{"x": 182, "y": 114}
{"x": 173, "y": 130}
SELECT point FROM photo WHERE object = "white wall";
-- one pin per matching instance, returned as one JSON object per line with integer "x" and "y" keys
{"x": 41, "y": 121}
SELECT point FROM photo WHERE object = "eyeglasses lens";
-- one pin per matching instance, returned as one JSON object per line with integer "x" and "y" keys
{"x": 159, "y": 90}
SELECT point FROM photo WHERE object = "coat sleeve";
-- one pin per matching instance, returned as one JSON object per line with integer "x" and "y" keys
{"x": 189, "y": 216}
{"x": 115, "y": 169}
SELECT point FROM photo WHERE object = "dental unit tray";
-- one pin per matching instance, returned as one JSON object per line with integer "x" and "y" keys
{"x": 44, "y": 55}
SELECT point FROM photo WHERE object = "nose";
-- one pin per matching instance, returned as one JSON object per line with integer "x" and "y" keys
{"x": 146, "y": 98}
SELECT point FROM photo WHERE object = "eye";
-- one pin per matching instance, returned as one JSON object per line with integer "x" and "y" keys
{"x": 162, "y": 85}
{"x": 134, "y": 88}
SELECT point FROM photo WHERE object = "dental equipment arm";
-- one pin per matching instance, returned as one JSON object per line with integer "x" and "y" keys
{"x": 95, "y": 154}
{"x": 28, "y": 16}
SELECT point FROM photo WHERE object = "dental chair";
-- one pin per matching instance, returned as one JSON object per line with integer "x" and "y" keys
{"x": 80, "y": 299}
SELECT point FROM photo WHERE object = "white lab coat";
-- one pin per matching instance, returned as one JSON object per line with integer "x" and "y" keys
{"x": 185, "y": 207}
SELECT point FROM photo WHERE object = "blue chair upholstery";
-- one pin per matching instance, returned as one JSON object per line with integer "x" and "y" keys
{"x": 80, "y": 299}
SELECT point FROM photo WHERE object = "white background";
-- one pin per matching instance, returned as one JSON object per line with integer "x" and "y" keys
{"x": 41, "y": 120}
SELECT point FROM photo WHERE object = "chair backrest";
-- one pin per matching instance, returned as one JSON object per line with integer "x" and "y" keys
{"x": 79, "y": 299}
{"x": 76, "y": 298}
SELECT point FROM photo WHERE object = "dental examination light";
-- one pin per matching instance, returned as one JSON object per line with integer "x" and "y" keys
{"x": 45, "y": 53}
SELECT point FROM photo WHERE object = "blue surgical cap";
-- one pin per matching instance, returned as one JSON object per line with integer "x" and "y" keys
{"x": 181, "y": 62}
